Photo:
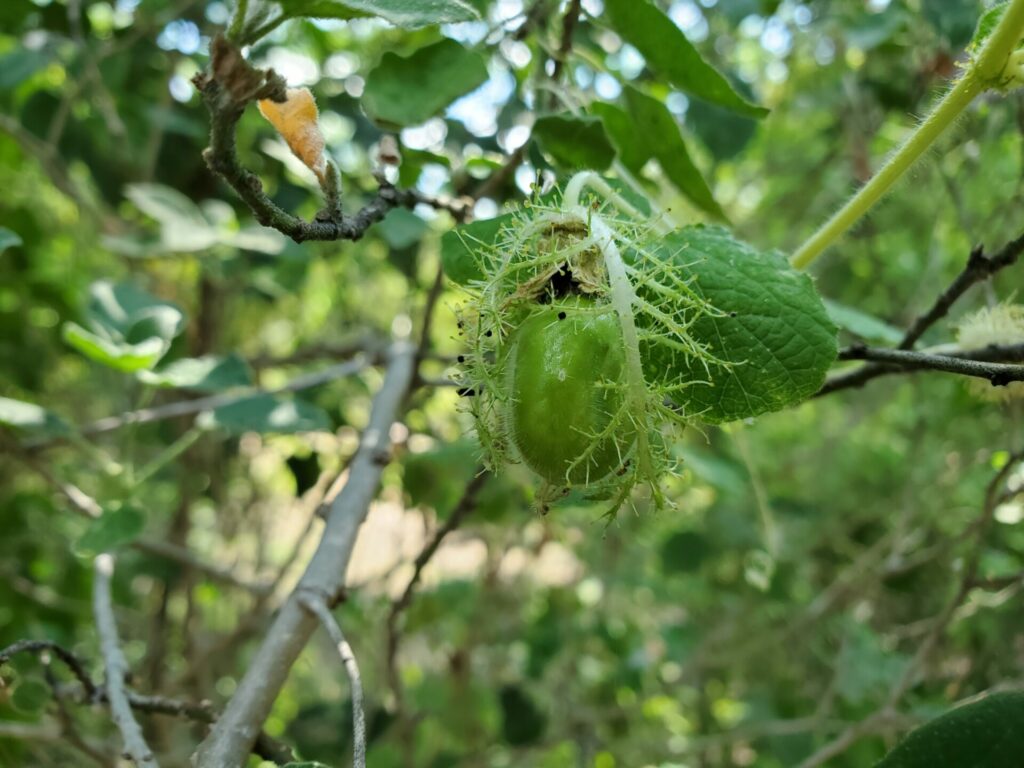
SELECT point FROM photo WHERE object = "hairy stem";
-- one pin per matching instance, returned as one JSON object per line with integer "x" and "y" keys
{"x": 623, "y": 299}
{"x": 986, "y": 70}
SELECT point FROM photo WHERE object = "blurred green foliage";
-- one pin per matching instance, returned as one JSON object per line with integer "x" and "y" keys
{"x": 791, "y": 578}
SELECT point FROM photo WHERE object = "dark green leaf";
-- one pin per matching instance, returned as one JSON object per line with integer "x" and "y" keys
{"x": 268, "y": 414}
{"x": 403, "y": 13}
{"x": 655, "y": 127}
{"x": 206, "y": 374}
{"x": 669, "y": 53}
{"x": 622, "y": 132}
{"x": 409, "y": 90}
{"x": 985, "y": 734}
{"x": 774, "y": 338}
{"x": 22, "y": 63}
{"x": 402, "y": 228}
{"x": 30, "y": 696}
{"x": 114, "y": 528}
{"x": 723, "y": 132}
{"x": 684, "y": 552}
{"x": 522, "y": 721}
{"x": 29, "y": 417}
{"x": 575, "y": 143}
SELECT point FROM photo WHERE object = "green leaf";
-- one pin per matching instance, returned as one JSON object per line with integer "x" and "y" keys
{"x": 621, "y": 130}
{"x": 114, "y": 528}
{"x": 464, "y": 249}
{"x": 862, "y": 324}
{"x": 401, "y": 228}
{"x": 985, "y": 734}
{"x": 774, "y": 338}
{"x": 684, "y": 552}
{"x": 306, "y": 764}
{"x": 267, "y": 414}
{"x": 21, "y": 63}
{"x": 402, "y": 13}
{"x": 655, "y": 127}
{"x": 987, "y": 25}
{"x": 30, "y": 696}
{"x": 574, "y": 142}
{"x": 126, "y": 328}
{"x": 522, "y": 722}
{"x": 206, "y": 374}
{"x": 183, "y": 227}
{"x": 409, "y": 90}
{"x": 436, "y": 478}
{"x": 723, "y": 132}
{"x": 670, "y": 54}
{"x": 29, "y": 417}
{"x": 8, "y": 239}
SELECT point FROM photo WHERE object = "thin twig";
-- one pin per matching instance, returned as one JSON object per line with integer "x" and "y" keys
{"x": 359, "y": 363}
{"x": 979, "y": 267}
{"x": 993, "y": 353}
{"x": 116, "y": 665}
{"x": 71, "y": 661}
{"x": 318, "y": 605}
{"x": 227, "y": 89}
{"x": 232, "y": 735}
{"x": 884, "y": 717}
{"x": 999, "y": 374}
{"x": 462, "y": 510}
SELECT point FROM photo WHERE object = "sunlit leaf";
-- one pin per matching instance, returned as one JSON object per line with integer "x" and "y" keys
{"x": 410, "y": 90}
{"x": 402, "y": 13}
{"x": 31, "y": 418}
{"x": 204, "y": 374}
{"x": 669, "y": 53}
{"x": 268, "y": 414}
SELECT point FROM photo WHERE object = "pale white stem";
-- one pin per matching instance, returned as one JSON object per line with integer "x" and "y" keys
{"x": 135, "y": 746}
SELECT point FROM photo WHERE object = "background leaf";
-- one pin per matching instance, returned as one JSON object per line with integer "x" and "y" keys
{"x": 670, "y": 53}
{"x": 409, "y": 90}
{"x": 267, "y": 414}
{"x": 655, "y": 127}
{"x": 403, "y": 13}
{"x": 575, "y": 143}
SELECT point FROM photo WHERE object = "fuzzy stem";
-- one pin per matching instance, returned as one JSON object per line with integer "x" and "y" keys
{"x": 945, "y": 112}
{"x": 238, "y": 21}
{"x": 573, "y": 190}
{"x": 623, "y": 298}
{"x": 987, "y": 69}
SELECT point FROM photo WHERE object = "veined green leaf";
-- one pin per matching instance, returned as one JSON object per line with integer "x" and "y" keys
{"x": 669, "y": 53}
{"x": 773, "y": 337}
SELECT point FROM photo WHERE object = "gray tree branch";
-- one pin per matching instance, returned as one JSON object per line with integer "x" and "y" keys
{"x": 116, "y": 666}
{"x": 232, "y": 736}
{"x": 318, "y": 606}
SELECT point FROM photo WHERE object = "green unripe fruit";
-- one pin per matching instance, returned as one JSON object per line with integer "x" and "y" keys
{"x": 566, "y": 393}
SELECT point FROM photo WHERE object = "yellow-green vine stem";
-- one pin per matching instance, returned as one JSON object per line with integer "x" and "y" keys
{"x": 986, "y": 70}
